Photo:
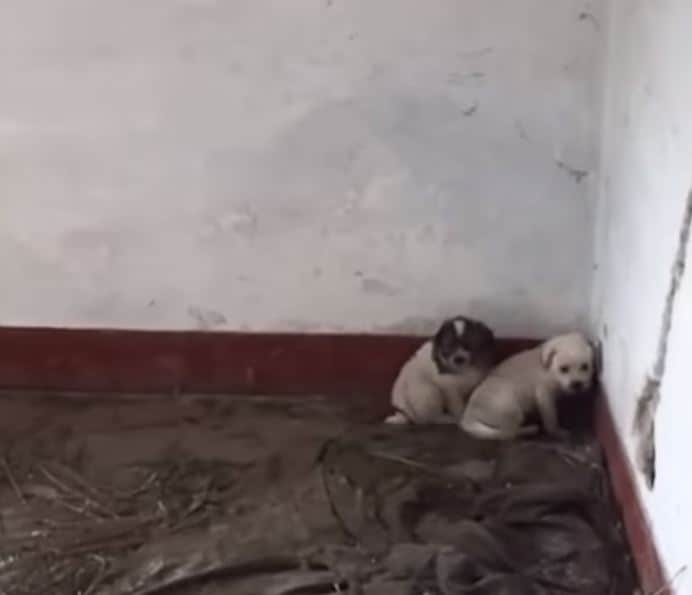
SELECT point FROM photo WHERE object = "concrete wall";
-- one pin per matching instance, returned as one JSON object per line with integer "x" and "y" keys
{"x": 646, "y": 176}
{"x": 306, "y": 165}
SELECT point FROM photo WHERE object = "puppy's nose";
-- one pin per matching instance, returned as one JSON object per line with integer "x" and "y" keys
{"x": 576, "y": 385}
{"x": 460, "y": 360}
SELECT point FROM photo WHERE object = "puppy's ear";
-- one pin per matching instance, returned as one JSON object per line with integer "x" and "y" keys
{"x": 548, "y": 352}
{"x": 446, "y": 337}
{"x": 482, "y": 338}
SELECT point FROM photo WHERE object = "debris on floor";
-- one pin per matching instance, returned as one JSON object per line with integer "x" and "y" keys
{"x": 287, "y": 497}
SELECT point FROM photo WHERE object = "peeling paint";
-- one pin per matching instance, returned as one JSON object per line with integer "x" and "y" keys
{"x": 641, "y": 298}
{"x": 649, "y": 400}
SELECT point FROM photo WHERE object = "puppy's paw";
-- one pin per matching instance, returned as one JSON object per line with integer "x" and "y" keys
{"x": 398, "y": 419}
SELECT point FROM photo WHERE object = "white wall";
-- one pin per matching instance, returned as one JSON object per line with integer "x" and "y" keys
{"x": 646, "y": 175}
{"x": 309, "y": 165}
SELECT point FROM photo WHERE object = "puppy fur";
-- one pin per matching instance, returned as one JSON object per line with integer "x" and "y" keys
{"x": 432, "y": 387}
{"x": 528, "y": 381}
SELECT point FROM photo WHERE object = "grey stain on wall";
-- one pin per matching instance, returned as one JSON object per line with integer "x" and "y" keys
{"x": 587, "y": 17}
{"x": 477, "y": 53}
{"x": 375, "y": 286}
{"x": 576, "y": 174}
{"x": 206, "y": 319}
{"x": 458, "y": 78}
{"x": 470, "y": 110}
{"x": 523, "y": 135}
{"x": 413, "y": 325}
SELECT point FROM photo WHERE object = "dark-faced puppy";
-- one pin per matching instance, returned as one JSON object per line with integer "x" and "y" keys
{"x": 432, "y": 387}
{"x": 461, "y": 342}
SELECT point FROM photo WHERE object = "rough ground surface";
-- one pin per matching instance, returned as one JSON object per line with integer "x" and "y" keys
{"x": 278, "y": 496}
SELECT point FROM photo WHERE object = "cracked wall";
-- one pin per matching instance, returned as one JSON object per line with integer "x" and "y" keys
{"x": 642, "y": 298}
{"x": 308, "y": 165}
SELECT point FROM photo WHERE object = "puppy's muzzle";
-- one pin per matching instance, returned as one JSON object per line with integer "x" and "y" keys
{"x": 460, "y": 360}
{"x": 577, "y": 386}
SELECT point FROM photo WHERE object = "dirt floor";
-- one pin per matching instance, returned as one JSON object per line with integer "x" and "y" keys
{"x": 278, "y": 496}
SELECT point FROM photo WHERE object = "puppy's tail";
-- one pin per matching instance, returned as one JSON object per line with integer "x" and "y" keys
{"x": 483, "y": 431}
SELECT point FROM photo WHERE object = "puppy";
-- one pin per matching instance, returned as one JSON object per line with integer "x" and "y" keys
{"x": 530, "y": 380}
{"x": 432, "y": 387}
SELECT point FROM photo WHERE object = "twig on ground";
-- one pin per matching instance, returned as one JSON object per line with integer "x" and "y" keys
{"x": 98, "y": 578}
{"x": 667, "y": 585}
{"x": 12, "y": 480}
{"x": 89, "y": 502}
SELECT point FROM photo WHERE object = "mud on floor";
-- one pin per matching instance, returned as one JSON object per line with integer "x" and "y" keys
{"x": 276, "y": 496}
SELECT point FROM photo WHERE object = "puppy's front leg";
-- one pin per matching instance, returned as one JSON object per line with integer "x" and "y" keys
{"x": 455, "y": 404}
{"x": 545, "y": 401}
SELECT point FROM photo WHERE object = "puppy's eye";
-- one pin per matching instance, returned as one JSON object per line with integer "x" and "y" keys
{"x": 564, "y": 369}
{"x": 584, "y": 367}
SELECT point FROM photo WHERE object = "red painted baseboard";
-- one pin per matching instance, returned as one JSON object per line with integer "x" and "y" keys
{"x": 199, "y": 362}
{"x": 652, "y": 576}
{"x": 359, "y": 367}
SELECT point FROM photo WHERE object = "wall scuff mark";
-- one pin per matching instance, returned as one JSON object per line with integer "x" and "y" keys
{"x": 471, "y": 110}
{"x": 206, "y": 319}
{"x": 647, "y": 404}
{"x": 378, "y": 287}
{"x": 590, "y": 18}
{"x": 577, "y": 174}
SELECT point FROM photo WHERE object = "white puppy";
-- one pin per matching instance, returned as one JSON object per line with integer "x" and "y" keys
{"x": 432, "y": 386}
{"x": 530, "y": 380}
